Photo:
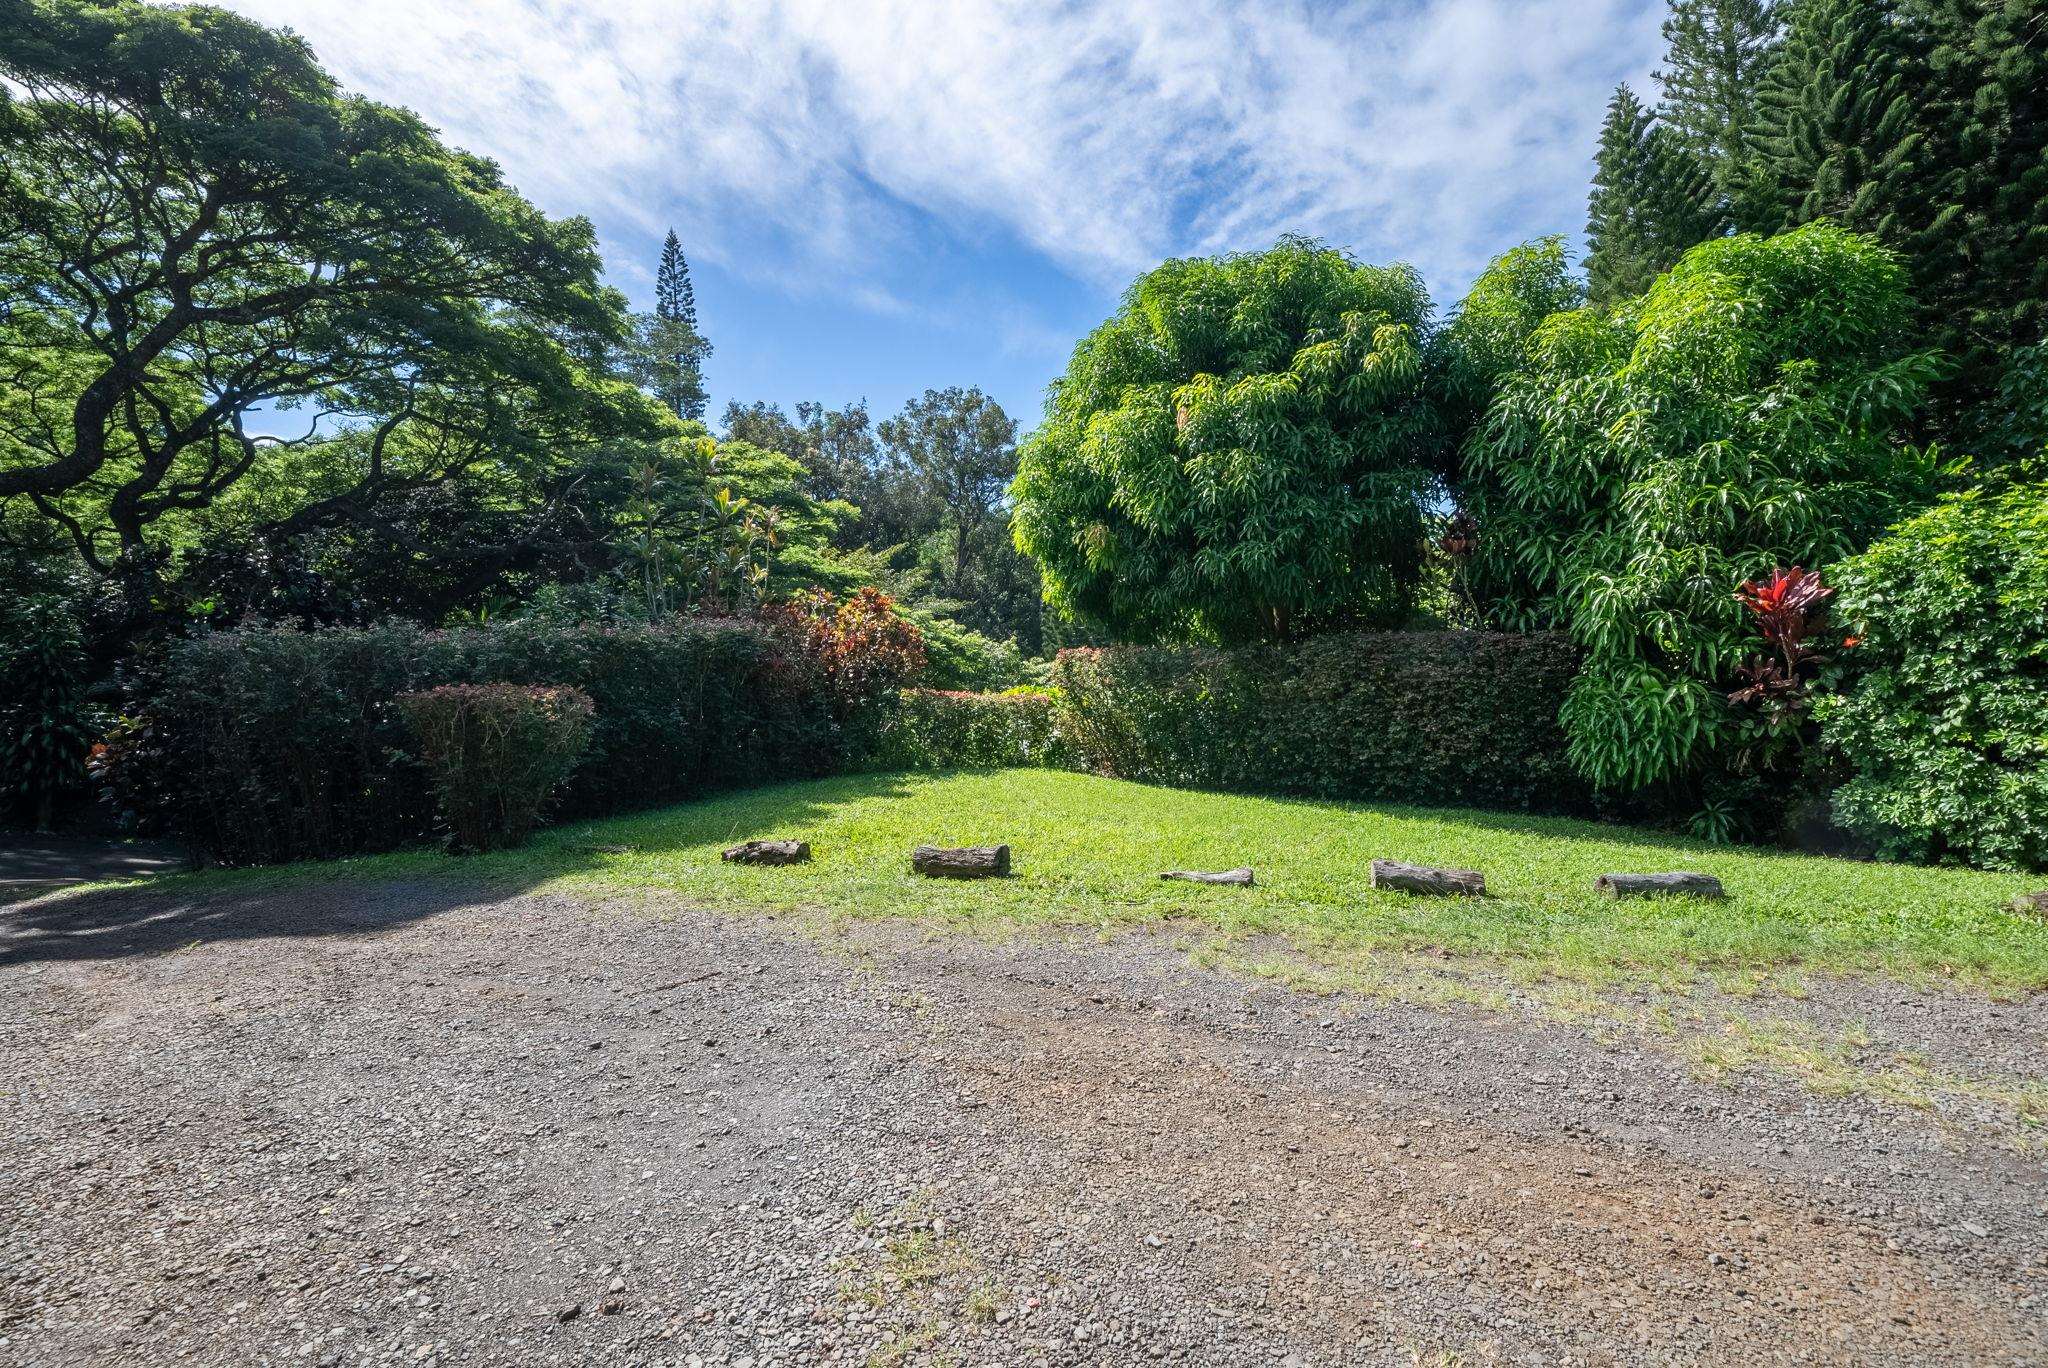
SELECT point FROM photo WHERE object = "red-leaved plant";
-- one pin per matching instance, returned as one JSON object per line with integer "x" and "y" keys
{"x": 1788, "y": 608}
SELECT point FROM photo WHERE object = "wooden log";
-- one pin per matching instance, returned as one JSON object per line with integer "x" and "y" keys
{"x": 965, "y": 862}
{"x": 1441, "y": 883}
{"x": 1240, "y": 877}
{"x": 1681, "y": 885}
{"x": 2032, "y": 904}
{"x": 768, "y": 853}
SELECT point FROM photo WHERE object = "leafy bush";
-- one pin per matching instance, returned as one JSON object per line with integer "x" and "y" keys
{"x": 267, "y": 744}
{"x": 44, "y": 731}
{"x": 1943, "y": 716}
{"x": 496, "y": 752}
{"x": 1744, "y": 414}
{"x": 1242, "y": 452}
{"x": 860, "y": 651}
{"x": 962, "y": 659}
{"x": 950, "y": 729}
{"x": 1421, "y": 717}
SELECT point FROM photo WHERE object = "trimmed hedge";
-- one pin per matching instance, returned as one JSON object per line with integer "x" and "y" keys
{"x": 1437, "y": 718}
{"x": 270, "y": 744}
{"x": 934, "y": 729}
{"x": 497, "y": 753}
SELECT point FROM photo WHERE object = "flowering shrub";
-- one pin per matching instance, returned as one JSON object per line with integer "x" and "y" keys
{"x": 497, "y": 753}
{"x": 1942, "y": 717}
{"x": 954, "y": 729}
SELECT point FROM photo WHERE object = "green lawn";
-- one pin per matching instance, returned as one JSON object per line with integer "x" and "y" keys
{"x": 1088, "y": 850}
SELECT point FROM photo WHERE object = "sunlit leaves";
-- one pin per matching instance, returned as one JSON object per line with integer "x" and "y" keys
{"x": 1241, "y": 452}
{"x": 1743, "y": 414}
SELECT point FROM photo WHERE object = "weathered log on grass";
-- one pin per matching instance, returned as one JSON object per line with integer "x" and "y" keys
{"x": 1441, "y": 883}
{"x": 2032, "y": 904}
{"x": 965, "y": 862}
{"x": 1681, "y": 885}
{"x": 1240, "y": 878}
{"x": 768, "y": 853}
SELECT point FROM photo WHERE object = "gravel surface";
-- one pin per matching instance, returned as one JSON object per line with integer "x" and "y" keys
{"x": 386, "y": 1123}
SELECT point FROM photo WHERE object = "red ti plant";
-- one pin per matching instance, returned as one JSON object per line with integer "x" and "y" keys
{"x": 1787, "y": 608}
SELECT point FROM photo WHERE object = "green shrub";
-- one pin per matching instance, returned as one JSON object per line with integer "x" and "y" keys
{"x": 496, "y": 753}
{"x": 44, "y": 732}
{"x": 1944, "y": 712}
{"x": 1421, "y": 717}
{"x": 949, "y": 729}
{"x": 269, "y": 744}
{"x": 1750, "y": 411}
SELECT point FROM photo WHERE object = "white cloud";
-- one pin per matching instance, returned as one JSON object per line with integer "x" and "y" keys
{"x": 798, "y": 139}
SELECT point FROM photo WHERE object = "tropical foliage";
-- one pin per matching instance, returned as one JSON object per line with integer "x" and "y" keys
{"x": 1240, "y": 453}
{"x": 1748, "y": 412}
{"x": 1942, "y": 723}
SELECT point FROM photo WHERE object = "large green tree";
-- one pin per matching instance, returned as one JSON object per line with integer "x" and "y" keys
{"x": 961, "y": 449}
{"x": 198, "y": 230}
{"x": 1836, "y": 134}
{"x": 1747, "y": 413}
{"x": 1652, "y": 199}
{"x": 668, "y": 352}
{"x": 1715, "y": 55}
{"x": 1242, "y": 451}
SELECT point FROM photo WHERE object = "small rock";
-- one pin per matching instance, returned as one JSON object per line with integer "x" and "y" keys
{"x": 1979, "y": 1231}
{"x": 568, "y": 1313}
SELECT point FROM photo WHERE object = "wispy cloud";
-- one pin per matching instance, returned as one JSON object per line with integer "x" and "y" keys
{"x": 803, "y": 139}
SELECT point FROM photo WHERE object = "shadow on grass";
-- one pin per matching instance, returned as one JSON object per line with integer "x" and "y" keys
{"x": 374, "y": 894}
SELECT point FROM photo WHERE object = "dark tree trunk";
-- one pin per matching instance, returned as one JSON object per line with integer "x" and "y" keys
{"x": 1653, "y": 885}
{"x": 967, "y": 862}
{"x": 768, "y": 853}
{"x": 1408, "y": 878}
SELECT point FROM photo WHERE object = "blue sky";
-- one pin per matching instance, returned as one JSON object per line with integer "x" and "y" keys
{"x": 880, "y": 196}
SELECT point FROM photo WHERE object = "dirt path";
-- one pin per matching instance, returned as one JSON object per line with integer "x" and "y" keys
{"x": 401, "y": 1124}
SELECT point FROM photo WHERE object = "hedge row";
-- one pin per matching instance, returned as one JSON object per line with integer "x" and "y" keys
{"x": 1438, "y": 718}
{"x": 933, "y": 729}
{"x": 270, "y": 744}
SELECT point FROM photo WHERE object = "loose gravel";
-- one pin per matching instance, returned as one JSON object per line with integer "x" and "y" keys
{"x": 418, "y": 1124}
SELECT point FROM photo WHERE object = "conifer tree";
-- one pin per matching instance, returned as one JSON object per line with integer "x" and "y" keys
{"x": 1715, "y": 57}
{"x": 1987, "y": 163}
{"x": 1836, "y": 133}
{"x": 672, "y": 350}
{"x": 1651, "y": 200}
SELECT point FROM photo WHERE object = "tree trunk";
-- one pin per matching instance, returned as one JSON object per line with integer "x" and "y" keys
{"x": 1408, "y": 878}
{"x": 967, "y": 862}
{"x": 1241, "y": 877}
{"x": 2032, "y": 904}
{"x": 1652, "y": 885}
{"x": 768, "y": 853}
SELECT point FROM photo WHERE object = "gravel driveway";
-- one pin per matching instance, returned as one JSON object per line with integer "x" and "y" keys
{"x": 384, "y": 1123}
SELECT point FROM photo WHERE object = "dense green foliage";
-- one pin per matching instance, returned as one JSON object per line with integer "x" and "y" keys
{"x": 936, "y": 729}
{"x": 1240, "y": 453}
{"x": 196, "y": 225}
{"x": 1715, "y": 56}
{"x": 261, "y": 745}
{"x": 495, "y": 754}
{"x": 1836, "y": 133}
{"x": 1436, "y": 717}
{"x": 1943, "y": 723}
{"x": 1652, "y": 199}
{"x": 45, "y": 727}
{"x": 1743, "y": 414}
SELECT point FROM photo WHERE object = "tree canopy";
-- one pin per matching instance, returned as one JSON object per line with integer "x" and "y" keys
{"x": 202, "y": 240}
{"x": 1241, "y": 452}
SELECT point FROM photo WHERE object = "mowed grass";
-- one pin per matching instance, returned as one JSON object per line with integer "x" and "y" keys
{"x": 1087, "y": 853}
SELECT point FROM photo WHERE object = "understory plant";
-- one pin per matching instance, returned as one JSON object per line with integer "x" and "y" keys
{"x": 496, "y": 753}
{"x": 44, "y": 730}
{"x": 1942, "y": 714}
